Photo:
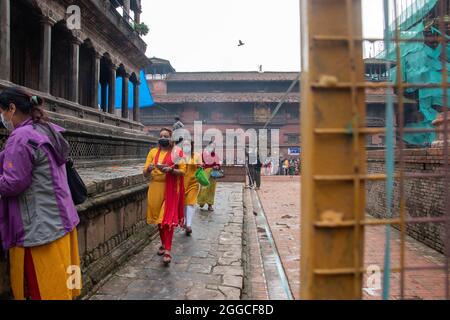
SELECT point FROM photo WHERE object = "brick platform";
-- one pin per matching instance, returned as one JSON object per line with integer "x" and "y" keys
{"x": 281, "y": 200}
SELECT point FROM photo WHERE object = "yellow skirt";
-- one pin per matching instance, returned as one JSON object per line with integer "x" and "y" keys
{"x": 56, "y": 265}
{"x": 207, "y": 194}
{"x": 191, "y": 194}
{"x": 156, "y": 202}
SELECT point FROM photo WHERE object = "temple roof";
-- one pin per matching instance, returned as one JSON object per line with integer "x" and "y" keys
{"x": 233, "y": 76}
{"x": 179, "y": 98}
{"x": 221, "y": 97}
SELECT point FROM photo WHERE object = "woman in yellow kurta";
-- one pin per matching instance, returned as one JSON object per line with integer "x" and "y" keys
{"x": 165, "y": 165}
{"x": 210, "y": 162}
{"x": 191, "y": 185}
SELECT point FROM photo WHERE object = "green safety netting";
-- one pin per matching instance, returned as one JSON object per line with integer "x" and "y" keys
{"x": 414, "y": 12}
{"x": 420, "y": 64}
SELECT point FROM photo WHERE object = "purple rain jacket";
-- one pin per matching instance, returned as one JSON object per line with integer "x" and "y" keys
{"x": 36, "y": 205}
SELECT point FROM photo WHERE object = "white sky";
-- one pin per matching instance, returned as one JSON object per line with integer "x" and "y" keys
{"x": 202, "y": 35}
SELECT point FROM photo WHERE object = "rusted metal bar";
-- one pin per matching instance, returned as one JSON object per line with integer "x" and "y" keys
{"x": 369, "y": 39}
{"x": 401, "y": 111}
{"x": 350, "y": 271}
{"x": 443, "y": 11}
{"x": 365, "y": 130}
{"x": 343, "y": 85}
{"x": 380, "y": 222}
{"x": 376, "y": 176}
{"x": 323, "y": 157}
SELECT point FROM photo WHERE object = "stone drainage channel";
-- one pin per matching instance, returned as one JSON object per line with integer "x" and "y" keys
{"x": 274, "y": 276}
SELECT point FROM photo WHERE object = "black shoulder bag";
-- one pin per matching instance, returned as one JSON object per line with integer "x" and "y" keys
{"x": 77, "y": 187}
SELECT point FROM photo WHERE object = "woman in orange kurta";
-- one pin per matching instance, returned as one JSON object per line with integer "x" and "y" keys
{"x": 165, "y": 166}
{"x": 191, "y": 185}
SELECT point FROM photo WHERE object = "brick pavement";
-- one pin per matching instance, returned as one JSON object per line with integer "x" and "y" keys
{"x": 207, "y": 265}
{"x": 281, "y": 201}
{"x": 419, "y": 284}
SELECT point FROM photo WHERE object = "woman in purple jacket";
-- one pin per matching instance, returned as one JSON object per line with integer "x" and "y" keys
{"x": 38, "y": 218}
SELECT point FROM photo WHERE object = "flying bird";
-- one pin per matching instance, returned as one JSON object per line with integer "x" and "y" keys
{"x": 240, "y": 43}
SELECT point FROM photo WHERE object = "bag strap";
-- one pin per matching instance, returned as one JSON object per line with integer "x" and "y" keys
{"x": 54, "y": 136}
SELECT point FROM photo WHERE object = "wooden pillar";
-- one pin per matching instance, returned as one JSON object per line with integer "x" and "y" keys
{"x": 137, "y": 13}
{"x": 46, "y": 54}
{"x": 125, "y": 81}
{"x": 74, "y": 70}
{"x": 5, "y": 40}
{"x": 112, "y": 90}
{"x": 137, "y": 16}
{"x": 104, "y": 105}
{"x": 136, "y": 110}
{"x": 96, "y": 80}
{"x": 126, "y": 9}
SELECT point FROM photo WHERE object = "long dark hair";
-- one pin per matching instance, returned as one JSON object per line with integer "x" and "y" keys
{"x": 24, "y": 102}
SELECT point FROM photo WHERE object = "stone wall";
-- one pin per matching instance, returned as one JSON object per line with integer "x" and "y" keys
{"x": 113, "y": 223}
{"x": 424, "y": 197}
{"x": 234, "y": 174}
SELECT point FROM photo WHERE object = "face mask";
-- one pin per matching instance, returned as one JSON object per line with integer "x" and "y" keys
{"x": 7, "y": 123}
{"x": 186, "y": 149}
{"x": 164, "y": 142}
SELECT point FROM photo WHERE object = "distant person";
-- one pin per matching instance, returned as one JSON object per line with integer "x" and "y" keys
{"x": 178, "y": 125}
{"x": 292, "y": 168}
{"x": 191, "y": 185}
{"x": 38, "y": 217}
{"x": 256, "y": 172}
{"x": 166, "y": 191}
{"x": 285, "y": 167}
{"x": 210, "y": 162}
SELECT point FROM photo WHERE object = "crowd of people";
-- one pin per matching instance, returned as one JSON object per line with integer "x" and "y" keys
{"x": 284, "y": 167}
{"x": 174, "y": 190}
{"x": 38, "y": 216}
{"x": 289, "y": 167}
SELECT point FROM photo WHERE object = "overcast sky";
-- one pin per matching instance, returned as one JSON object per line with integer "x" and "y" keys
{"x": 202, "y": 35}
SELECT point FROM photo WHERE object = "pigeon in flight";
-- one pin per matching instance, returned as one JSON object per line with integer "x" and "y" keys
{"x": 240, "y": 43}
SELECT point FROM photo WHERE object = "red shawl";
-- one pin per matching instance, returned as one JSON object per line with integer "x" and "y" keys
{"x": 174, "y": 199}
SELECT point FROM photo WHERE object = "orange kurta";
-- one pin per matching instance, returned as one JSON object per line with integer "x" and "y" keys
{"x": 157, "y": 187}
{"x": 57, "y": 267}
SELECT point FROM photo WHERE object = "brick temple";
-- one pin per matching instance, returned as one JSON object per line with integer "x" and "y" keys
{"x": 224, "y": 100}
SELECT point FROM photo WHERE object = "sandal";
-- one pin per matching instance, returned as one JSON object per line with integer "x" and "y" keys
{"x": 188, "y": 231}
{"x": 161, "y": 251}
{"x": 167, "y": 259}
{"x": 210, "y": 208}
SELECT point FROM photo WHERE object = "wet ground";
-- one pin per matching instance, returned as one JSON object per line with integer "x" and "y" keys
{"x": 207, "y": 265}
